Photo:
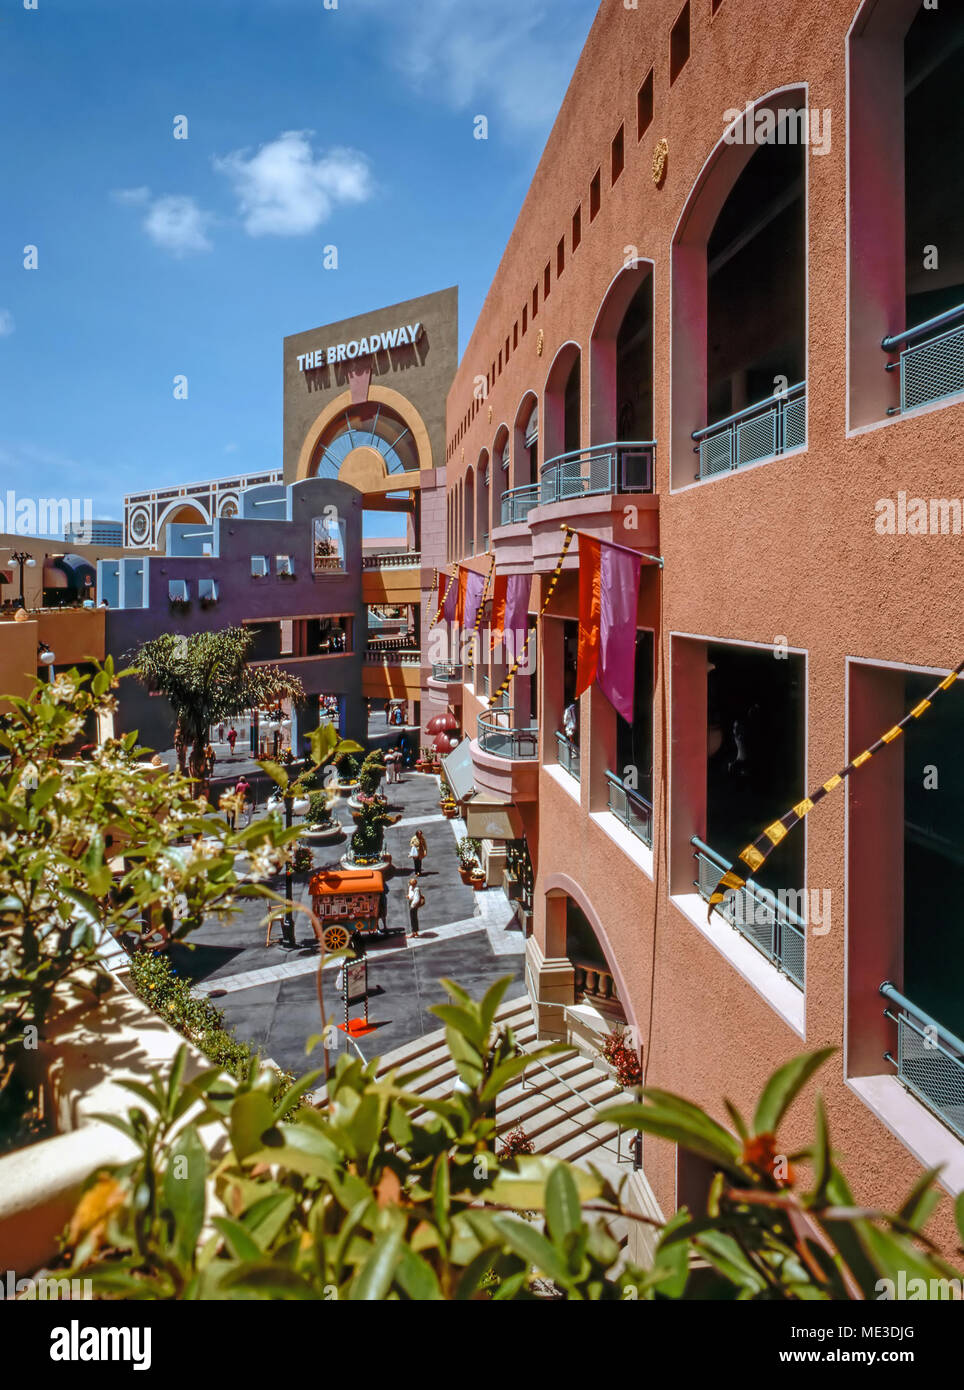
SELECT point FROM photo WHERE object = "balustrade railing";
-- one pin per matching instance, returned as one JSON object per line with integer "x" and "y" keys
{"x": 931, "y": 361}
{"x": 771, "y": 427}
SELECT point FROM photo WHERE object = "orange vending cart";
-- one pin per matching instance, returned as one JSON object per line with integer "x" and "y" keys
{"x": 346, "y": 901}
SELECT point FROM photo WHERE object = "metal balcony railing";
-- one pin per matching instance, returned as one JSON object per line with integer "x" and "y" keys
{"x": 485, "y": 542}
{"x": 499, "y": 735}
{"x": 635, "y": 812}
{"x": 393, "y": 559}
{"x": 929, "y": 1061}
{"x": 446, "y": 671}
{"x": 598, "y": 471}
{"x": 518, "y": 502}
{"x": 757, "y": 432}
{"x": 760, "y": 916}
{"x": 567, "y": 755}
{"x": 933, "y": 369}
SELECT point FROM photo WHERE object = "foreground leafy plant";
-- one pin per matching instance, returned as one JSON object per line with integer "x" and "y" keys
{"x": 381, "y": 1193}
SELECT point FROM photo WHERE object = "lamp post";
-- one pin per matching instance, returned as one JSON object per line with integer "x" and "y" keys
{"x": 46, "y": 657}
{"x": 23, "y": 558}
{"x": 288, "y": 924}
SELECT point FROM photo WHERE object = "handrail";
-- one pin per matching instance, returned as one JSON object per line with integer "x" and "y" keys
{"x": 893, "y": 341}
{"x": 768, "y": 898}
{"x": 949, "y": 1039}
{"x": 561, "y": 1080}
{"x": 571, "y": 454}
{"x": 777, "y": 398}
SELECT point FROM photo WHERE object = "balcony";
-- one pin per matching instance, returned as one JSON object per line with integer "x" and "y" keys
{"x": 393, "y": 653}
{"x": 444, "y": 686}
{"x": 567, "y": 755}
{"x": 764, "y": 920}
{"x": 929, "y": 1061}
{"x": 599, "y": 471}
{"x": 505, "y": 755}
{"x": 633, "y": 810}
{"x": 762, "y": 431}
{"x": 931, "y": 361}
{"x": 393, "y": 559}
{"x": 518, "y": 502}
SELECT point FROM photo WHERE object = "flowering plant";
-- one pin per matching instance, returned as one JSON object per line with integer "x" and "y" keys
{"x": 623, "y": 1059}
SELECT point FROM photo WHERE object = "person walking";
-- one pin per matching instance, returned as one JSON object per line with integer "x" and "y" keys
{"x": 221, "y": 732}
{"x": 417, "y": 849}
{"x": 232, "y": 738}
{"x": 241, "y": 791}
{"x": 416, "y": 899}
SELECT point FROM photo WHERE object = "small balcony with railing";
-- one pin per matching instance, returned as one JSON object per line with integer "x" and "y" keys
{"x": 445, "y": 684}
{"x": 505, "y": 754}
{"x": 588, "y": 488}
{"x": 930, "y": 360}
{"x": 567, "y": 754}
{"x": 928, "y": 1059}
{"x": 766, "y": 430}
{"x": 763, "y": 918}
{"x": 631, "y": 808}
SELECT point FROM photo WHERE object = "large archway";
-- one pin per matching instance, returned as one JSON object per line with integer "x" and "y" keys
{"x": 562, "y": 412}
{"x": 621, "y": 353}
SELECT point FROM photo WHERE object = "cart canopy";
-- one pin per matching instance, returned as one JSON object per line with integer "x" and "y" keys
{"x": 345, "y": 881}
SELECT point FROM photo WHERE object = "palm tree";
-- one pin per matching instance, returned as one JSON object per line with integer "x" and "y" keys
{"x": 207, "y": 678}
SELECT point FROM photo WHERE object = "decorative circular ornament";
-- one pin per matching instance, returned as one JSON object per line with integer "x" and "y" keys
{"x": 540, "y": 343}
{"x": 335, "y": 938}
{"x": 660, "y": 158}
{"x": 140, "y": 525}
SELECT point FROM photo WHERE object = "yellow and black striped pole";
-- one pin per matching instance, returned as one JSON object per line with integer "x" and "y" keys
{"x": 550, "y": 590}
{"x": 756, "y": 854}
{"x": 444, "y": 599}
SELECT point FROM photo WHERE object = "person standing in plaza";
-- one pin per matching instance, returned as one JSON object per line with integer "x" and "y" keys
{"x": 232, "y": 738}
{"x": 418, "y": 848}
{"x": 416, "y": 899}
{"x": 241, "y": 791}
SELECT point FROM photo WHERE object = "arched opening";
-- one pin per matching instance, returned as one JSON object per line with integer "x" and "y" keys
{"x": 621, "y": 360}
{"x": 562, "y": 412}
{"x": 183, "y": 515}
{"x": 482, "y": 488}
{"x": 499, "y": 473}
{"x": 468, "y": 522}
{"x": 368, "y": 424}
{"x": 906, "y": 124}
{"x": 739, "y": 297}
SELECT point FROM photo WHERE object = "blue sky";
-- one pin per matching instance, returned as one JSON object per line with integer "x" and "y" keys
{"x": 307, "y": 126}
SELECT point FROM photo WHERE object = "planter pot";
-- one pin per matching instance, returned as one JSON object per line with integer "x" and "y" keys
{"x": 300, "y": 806}
{"x": 465, "y": 875}
{"x": 451, "y": 813}
{"x": 375, "y": 865}
{"x": 346, "y": 788}
{"x": 478, "y": 884}
{"x": 323, "y": 834}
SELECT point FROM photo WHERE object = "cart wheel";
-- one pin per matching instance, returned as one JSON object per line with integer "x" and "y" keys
{"x": 335, "y": 938}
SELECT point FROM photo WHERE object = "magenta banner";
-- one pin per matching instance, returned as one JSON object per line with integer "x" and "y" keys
{"x": 619, "y": 597}
{"x": 474, "y": 585}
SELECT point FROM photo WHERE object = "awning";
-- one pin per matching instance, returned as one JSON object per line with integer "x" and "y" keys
{"x": 488, "y": 818}
{"x": 457, "y": 766}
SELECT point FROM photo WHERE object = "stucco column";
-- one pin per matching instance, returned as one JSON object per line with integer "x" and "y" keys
{"x": 550, "y": 977}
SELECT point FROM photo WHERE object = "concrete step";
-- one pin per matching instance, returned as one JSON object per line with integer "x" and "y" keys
{"x": 531, "y": 1100}
{"x": 514, "y": 1013}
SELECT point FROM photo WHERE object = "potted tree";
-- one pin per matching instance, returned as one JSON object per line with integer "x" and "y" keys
{"x": 367, "y": 843}
{"x": 346, "y": 765}
{"x": 468, "y": 851}
{"x": 373, "y": 769}
{"x": 322, "y": 828}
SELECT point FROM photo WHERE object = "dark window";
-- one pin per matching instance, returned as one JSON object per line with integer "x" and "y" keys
{"x": 594, "y": 195}
{"x": 546, "y": 281}
{"x": 679, "y": 43}
{"x": 618, "y": 154}
{"x": 525, "y": 319}
{"x": 644, "y": 106}
{"x": 576, "y": 227}
{"x": 515, "y": 335}
{"x": 535, "y": 300}
{"x": 560, "y": 257}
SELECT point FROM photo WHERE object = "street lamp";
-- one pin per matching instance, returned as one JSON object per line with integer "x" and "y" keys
{"x": 46, "y": 657}
{"x": 288, "y": 942}
{"x": 23, "y": 558}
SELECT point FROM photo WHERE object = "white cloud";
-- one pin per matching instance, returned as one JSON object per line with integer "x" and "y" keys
{"x": 286, "y": 190}
{"x": 502, "y": 59}
{"x": 6, "y": 323}
{"x": 230, "y": 448}
{"x": 173, "y": 221}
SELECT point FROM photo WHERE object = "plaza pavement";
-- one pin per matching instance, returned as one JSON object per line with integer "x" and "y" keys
{"x": 270, "y": 996}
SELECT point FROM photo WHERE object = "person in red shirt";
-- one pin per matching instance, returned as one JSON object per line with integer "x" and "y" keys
{"x": 232, "y": 737}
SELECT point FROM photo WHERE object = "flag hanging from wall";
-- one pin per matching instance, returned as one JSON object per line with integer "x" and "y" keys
{"x": 510, "y": 608}
{"x": 451, "y": 597}
{"x": 474, "y": 587}
{"x": 608, "y": 600}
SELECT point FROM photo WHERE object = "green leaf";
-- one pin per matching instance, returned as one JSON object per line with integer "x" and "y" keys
{"x": 240, "y": 1242}
{"x": 526, "y": 1241}
{"x": 563, "y": 1211}
{"x": 784, "y": 1086}
{"x": 252, "y": 1115}
{"x": 418, "y": 1278}
{"x": 525, "y": 1189}
{"x": 675, "y": 1119}
{"x": 267, "y": 1216}
{"x": 919, "y": 1204}
{"x": 376, "y": 1277}
{"x": 268, "y": 1279}
{"x": 442, "y": 1193}
{"x": 276, "y": 772}
{"x": 185, "y": 1186}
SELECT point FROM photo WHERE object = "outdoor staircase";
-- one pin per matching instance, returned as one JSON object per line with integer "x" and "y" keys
{"x": 556, "y": 1102}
